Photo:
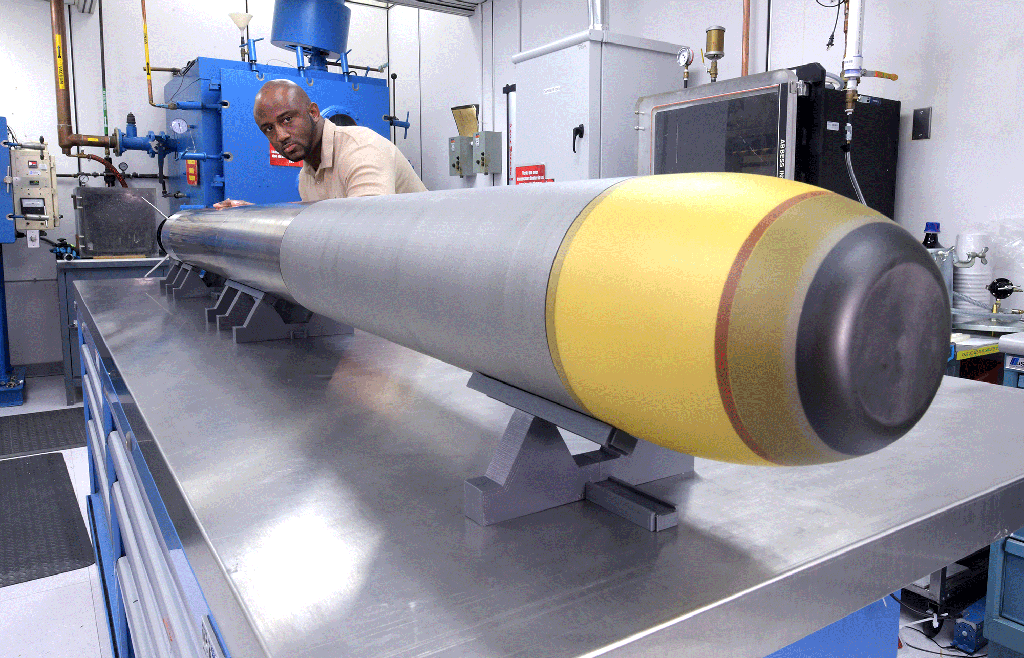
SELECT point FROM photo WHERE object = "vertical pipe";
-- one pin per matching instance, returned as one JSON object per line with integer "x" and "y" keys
{"x": 853, "y": 60}
{"x": 74, "y": 84}
{"x": 60, "y": 78}
{"x": 65, "y": 137}
{"x": 598, "y": 15}
{"x": 145, "y": 43}
{"x": 103, "y": 80}
{"x": 745, "y": 61}
{"x": 5, "y": 350}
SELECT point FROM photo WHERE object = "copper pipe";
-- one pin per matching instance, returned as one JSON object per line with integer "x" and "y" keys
{"x": 108, "y": 165}
{"x": 174, "y": 70}
{"x": 65, "y": 137}
{"x": 745, "y": 61}
{"x": 149, "y": 69}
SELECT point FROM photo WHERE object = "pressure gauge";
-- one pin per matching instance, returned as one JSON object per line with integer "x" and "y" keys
{"x": 685, "y": 56}
{"x": 179, "y": 126}
{"x": 123, "y": 167}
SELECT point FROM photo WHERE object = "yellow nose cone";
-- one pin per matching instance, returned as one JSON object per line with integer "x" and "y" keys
{"x": 685, "y": 310}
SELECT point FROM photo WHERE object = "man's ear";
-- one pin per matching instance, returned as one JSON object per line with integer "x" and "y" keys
{"x": 314, "y": 112}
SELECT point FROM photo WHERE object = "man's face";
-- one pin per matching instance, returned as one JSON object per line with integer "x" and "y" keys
{"x": 289, "y": 125}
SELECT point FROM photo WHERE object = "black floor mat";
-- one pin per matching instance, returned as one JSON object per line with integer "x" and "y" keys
{"x": 41, "y": 527}
{"x": 46, "y": 431}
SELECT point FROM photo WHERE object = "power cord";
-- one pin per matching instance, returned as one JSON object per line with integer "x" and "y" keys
{"x": 835, "y": 25}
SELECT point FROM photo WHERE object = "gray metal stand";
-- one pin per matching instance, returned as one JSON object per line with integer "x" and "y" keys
{"x": 533, "y": 470}
{"x": 253, "y": 315}
{"x": 184, "y": 282}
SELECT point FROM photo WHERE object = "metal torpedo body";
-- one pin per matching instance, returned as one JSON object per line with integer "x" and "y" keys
{"x": 734, "y": 317}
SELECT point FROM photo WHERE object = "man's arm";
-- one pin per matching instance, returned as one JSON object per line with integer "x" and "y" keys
{"x": 230, "y": 203}
{"x": 368, "y": 171}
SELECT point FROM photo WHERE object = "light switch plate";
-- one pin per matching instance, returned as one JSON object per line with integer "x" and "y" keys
{"x": 922, "y": 128}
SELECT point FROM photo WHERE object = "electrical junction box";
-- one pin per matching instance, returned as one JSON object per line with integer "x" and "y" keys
{"x": 34, "y": 188}
{"x": 593, "y": 79}
{"x": 487, "y": 152}
{"x": 460, "y": 156}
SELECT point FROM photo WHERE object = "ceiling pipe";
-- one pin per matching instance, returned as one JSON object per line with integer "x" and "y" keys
{"x": 598, "y": 14}
{"x": 65, "y": 137}
{"x": 745, "y": 62}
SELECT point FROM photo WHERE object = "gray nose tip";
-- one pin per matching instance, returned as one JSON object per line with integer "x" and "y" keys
{"x": 873, "y": 339}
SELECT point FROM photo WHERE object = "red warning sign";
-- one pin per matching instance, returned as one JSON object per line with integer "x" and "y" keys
{"x": 532, "y": 174}
{"x": 278, "y": 160}
{"x": 192, "y": 172}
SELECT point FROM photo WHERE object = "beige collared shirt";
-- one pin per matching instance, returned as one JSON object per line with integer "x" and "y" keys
{"x": 356, "y": 161}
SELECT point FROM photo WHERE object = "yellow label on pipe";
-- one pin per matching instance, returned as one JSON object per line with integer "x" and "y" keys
{"x": 93, "y": 139}
{"x": 59, "y": 53}
{"x": 145, "y": 42}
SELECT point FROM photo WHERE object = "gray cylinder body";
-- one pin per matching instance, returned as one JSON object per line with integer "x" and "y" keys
{"x": 405, "y": 267}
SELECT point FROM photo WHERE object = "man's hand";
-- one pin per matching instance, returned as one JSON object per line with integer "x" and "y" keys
{"x": 231, "y": 203}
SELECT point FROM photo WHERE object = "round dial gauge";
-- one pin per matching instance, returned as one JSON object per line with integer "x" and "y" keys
{"x": 685, "y": 56}
{"x": 179, "y": 126}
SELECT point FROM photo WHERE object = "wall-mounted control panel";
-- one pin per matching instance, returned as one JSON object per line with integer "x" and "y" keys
{"x": 32, "y": 182}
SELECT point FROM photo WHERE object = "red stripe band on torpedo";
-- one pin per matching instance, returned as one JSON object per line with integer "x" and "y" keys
{"x": 725, "y": 311}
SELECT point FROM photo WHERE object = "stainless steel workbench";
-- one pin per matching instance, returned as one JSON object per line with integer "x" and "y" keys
{"x": 316, "y": 487}
{"x": 81, "y": 270}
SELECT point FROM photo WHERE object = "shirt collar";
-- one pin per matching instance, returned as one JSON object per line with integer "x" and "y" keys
{"x": 327, "y": 146}
{"x": 326, "y": 150}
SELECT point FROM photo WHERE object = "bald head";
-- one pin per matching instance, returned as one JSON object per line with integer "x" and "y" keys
{"x": 290, "y": 121}
{"x": 281, "y": 92}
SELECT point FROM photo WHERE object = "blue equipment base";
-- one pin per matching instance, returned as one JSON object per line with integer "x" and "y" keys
{"x": 871, "y": 631}
{"x": 969, "y": 632}
{"x": 14, "y": 396}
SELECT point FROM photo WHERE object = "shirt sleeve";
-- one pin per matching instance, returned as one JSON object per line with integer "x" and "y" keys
{"x": 367, "y": 171}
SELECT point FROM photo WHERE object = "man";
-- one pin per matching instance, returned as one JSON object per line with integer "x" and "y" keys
{"x": 339, "y": 162}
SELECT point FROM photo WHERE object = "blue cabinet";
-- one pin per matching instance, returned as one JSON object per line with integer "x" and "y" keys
{"x": 155, "y": 605}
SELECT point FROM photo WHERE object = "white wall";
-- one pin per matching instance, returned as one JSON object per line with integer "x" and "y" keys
{"x": 448, "y": 66}
{"x": 963, "y": 59}
{"x": 965, "y": 174}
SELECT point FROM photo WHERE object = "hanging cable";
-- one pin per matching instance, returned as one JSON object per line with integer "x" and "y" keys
{"x": 835, "y": 26}
{"x": 853, "y": 179}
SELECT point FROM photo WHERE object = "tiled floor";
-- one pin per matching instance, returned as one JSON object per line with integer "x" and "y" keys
{"x": 61, "y": 616}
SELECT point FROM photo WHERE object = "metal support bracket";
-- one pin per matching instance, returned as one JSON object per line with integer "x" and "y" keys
{"x": 532, "y": 469}
{"x": 184, "y": 282}
{"x": 253, "y": 315}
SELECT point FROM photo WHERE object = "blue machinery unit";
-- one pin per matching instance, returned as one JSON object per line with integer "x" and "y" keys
{"x": 213, "y": 149}
{"x": 219, "y": 151}
{"x": 12, "y": 380}
{"x": 232, "y": 158}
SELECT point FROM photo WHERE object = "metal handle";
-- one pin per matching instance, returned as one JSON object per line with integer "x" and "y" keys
{"x": 576, "y": 132}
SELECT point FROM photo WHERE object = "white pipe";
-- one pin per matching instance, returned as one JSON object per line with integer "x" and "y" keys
{"x": 853, "y": 61}
{"x": 598, "y": 14}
